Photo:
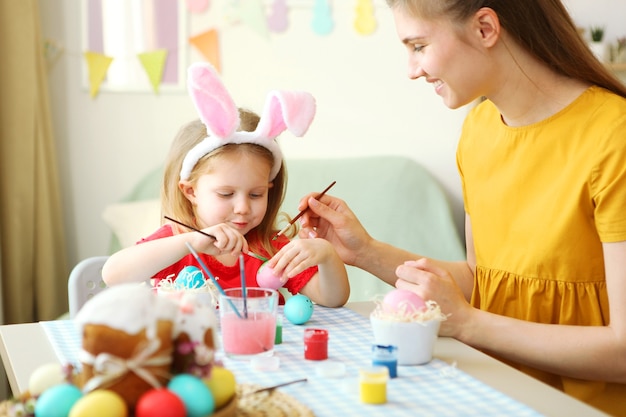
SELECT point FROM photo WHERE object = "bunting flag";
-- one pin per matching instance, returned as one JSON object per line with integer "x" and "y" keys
{"x": 277, "y": 20}
{"x": 252, "y": 14}
{"x": 207, "y": 43}
{"x": 365, "y": 21}
{"x": 249, "y": 12}
{"x": 97, "y": 66}
{"x": 197, "y": 6}
{"x": 322, "y": 22}
{"x": 153, "y": 63}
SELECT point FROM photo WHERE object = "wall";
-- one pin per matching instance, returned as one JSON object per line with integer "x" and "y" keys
{"x": 366, "y": 104}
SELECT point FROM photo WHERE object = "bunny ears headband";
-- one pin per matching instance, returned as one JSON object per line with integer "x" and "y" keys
{"x": 283, "y": 110}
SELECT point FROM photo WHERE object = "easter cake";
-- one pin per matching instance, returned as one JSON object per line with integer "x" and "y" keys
{"x": 127, "y": 341}
{"x": 141, "y": 353}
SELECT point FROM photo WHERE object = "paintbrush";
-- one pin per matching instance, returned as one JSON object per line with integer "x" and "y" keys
{"x": 244, "y": 292}
{"x": 273, "y": 387}
{"x": 295, "y": 219}
{"x": 254, "y": 255}
{"x": 210, "y": 275}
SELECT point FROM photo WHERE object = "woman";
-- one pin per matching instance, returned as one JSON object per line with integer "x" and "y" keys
{"x": 544, "y": 184}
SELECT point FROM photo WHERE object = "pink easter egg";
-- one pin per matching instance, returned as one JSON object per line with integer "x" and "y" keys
{"x": 403, "y": 300}
{"x": 265, "y": 278}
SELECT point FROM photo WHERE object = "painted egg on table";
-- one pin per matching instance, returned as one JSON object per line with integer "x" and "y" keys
{"x": 196, "y": 396}
{"x": 57, "y": 401}
{"x": 222, "y": 384}
{"x": 266, "y": 278}
{"x": 155, "y": 401}
{"x": 45, "y": 377}
{"x": 398, "y": 301}
{"x": 298, "y": 309}
{"x": 189, "y": 277}
{"x": 100, "y": 403}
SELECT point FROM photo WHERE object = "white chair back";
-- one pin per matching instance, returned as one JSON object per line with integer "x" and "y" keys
{"x": 84, "y": 282}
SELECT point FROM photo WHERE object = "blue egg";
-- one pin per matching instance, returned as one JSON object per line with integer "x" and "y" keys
{"x": 298, "y": 309}
{"x": 194, "y": 393}
{"x": 57, "y": 401}
{"x": 189, "y": 277}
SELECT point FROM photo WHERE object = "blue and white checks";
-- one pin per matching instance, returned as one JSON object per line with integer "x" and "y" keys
{"x": 435, "y": 389}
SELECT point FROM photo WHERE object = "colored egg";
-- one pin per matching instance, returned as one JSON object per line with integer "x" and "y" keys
{"x": 222, "y": 384}
{"x": 398, "y": 301}
{"x": 189, "y": 277}
{"x": 298, "y": 309}
{"x": 153, "y": 402}
{"x": 100, "y": 403}
{"x": 266, "y": 278}
{"x": 57, "y": 401}
{"x": 196, "y": 396}
{"x": 44, "y": 377}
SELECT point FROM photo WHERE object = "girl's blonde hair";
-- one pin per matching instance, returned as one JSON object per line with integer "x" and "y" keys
{"x": 543, "y": 27}
{"x": 175, "y": 205}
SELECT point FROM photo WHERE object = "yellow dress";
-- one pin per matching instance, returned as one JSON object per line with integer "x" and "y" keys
{"x": 542, "y": 199}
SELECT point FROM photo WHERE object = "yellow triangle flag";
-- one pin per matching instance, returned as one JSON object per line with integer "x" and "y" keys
{"x": 207, "y": 43}
{"x": 97, "y": 66}
{"x": 153, "y": 63}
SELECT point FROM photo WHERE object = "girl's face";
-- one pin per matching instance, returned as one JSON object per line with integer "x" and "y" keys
{"x": 235, "y": 192}
{"x": 444, "y": 55}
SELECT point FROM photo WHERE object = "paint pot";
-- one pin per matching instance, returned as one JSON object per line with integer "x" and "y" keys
{"x": 315, "y": 344}
{"x": 386, "y": 355}
{"x": 373, "y": 384}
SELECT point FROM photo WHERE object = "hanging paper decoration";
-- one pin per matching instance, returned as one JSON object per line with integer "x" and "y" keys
{"x": 322, "y": 22}
{"x": 252, "y": 14}
{"x": 97, "y": 66}
{"x": 52, "y": 51}
{"x": 277, "y": 19}
{"x": 197, "y": 6}
{"x": 153, "y": 63}
{"x": 365, "y": 22}
{"x": 207, "y": 43}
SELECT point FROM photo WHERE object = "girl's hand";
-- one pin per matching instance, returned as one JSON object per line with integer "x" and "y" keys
{"x": 298, "y": 255}
{"x": 431, "y": 282}
{"x": 227, "y": 241}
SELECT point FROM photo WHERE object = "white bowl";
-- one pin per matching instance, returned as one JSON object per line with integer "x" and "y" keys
{"x": 415, "y": 340}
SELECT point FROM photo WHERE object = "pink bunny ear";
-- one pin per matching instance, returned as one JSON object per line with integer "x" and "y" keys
{"x": 214, "y": 104}
{"x": 291, "y": 110}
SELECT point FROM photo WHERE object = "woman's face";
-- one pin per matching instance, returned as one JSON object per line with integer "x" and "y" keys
{"x": 235, "y": 192}
{"x": 445, "y": 55}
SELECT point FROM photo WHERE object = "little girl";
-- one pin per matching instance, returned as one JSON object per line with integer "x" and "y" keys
{"x": 225, "y": 176}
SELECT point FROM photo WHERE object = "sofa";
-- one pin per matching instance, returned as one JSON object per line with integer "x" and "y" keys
{"x": 396, "y": 199}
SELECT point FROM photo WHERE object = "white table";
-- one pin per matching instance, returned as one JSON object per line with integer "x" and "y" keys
{"x": 25, "y": 347}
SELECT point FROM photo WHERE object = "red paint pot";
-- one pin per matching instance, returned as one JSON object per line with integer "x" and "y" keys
{"x": 315, "y": 344}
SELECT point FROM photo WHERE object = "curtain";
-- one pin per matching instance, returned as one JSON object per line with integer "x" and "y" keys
{"x": 33, "y": 271}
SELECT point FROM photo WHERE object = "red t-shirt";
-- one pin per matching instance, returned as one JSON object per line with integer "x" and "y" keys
{"x": 228, "y": 276}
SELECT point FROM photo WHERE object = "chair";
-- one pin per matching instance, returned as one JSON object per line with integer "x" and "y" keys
{"x": 84, "y": 282}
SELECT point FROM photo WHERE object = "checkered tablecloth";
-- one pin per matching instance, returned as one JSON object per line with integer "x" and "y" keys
{"x": 436, "y": 389}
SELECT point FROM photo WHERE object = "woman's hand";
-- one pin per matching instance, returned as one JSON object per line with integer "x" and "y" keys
{"x": 330, "y": 218}
{"x": 432, "y": 282}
